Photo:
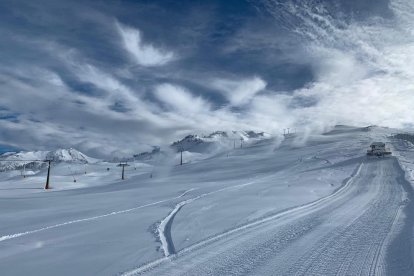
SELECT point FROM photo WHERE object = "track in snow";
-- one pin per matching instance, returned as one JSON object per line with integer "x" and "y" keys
{"x": 347, "y": 233}
{"x": 21, "y": 234}
{"x": 164, "y": 227}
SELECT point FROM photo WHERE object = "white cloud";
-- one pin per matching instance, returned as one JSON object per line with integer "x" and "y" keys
{"x": 181, "y": 100}
{"x": 363, "y": 70}
{"x": 239, "y": 92}
{"x": 144, "y": 54}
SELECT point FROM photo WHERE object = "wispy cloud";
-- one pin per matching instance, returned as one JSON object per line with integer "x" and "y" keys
{"x": 180, "y": 100}
{"x": 239, "y": 92}
{"x": 360, "y": 65}
{"x": 144, "y": 54}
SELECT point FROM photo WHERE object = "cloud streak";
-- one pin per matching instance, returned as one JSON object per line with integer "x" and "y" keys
{"x": 180, "y": 100}
{"x": 361, "y": 71}
{"x": 239, "y": 92}
{"x": 143, "y": 54}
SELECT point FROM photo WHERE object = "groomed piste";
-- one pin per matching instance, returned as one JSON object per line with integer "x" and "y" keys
{"x": 291, "y": 207}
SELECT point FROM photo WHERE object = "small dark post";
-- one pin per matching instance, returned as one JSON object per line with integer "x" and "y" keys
{"x": 181, "y": 160}
{"x": 123, "y": 165}
{"x": 48, "y": 174}
{"x": 24, "y": 170}
{"x": 234, "y": 144}
{"x": 241, "y": 143}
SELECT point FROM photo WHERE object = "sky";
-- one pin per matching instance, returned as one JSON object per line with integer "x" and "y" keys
{"x": 114, "y": 78}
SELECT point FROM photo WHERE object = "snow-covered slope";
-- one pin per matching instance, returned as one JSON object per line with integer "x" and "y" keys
{"x": 318, "y": 207}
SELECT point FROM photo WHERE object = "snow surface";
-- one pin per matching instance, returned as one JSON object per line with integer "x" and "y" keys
{"x": 298, "y": 207}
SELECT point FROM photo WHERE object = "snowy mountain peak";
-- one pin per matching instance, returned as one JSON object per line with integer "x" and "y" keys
{"x": 187, "y": 142}
{"x": 215, "y": 140}
{"x": 149, "y": 155}
{"x": 216, "y": 134}
{"x": 67, "y": 155}
{"x": 33, "y": 159}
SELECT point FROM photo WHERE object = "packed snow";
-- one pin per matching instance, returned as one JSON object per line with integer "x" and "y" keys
{"x": 242, "y": 203}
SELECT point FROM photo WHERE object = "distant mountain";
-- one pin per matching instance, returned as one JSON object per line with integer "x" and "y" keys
{"x": 253, "y": 135}
{"x": 67, "y": 155}
{"x": 217, "y": 134}
{"x": 32, "y": 160}
{"x": 217, "y": 139}
{"x": 190, "y": 143}
{"x": 149, "y": 155}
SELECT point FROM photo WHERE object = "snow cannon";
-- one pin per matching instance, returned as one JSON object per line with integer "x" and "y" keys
{"x": 378, "y": 149}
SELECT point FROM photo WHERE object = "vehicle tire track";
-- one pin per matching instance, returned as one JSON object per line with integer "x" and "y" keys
{"x": 302, "y": 208}
{"x": 164, "y": 227}
{"x": 353, "y": 250}
{"x": 347, "y": 233}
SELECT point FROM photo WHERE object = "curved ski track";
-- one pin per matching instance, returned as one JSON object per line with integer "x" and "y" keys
{"x": 345, "y": 233}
